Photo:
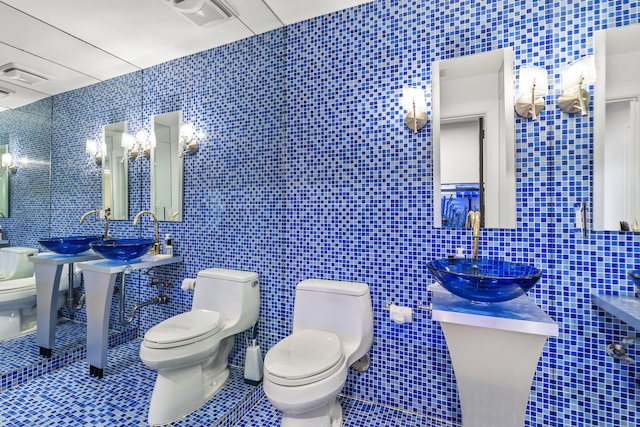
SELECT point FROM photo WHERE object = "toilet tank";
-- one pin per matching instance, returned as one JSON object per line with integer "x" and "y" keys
{"x": 342, "y": 308}
{"x": 14, "y": 262}
{"x": 232, "y": 293}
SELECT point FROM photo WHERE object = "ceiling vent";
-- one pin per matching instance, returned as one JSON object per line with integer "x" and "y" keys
{"x": 204, "y": 13}
{"x": 4, "y": 92}
{"x": 22, "y": 74}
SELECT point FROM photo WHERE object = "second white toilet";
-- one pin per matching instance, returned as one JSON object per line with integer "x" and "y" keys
{"x": 190, "y": 351}
{"x": 305, "y": 372}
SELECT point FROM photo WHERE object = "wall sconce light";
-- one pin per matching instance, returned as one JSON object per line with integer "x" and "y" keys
{"x": 94, "y": 151}
{"x": 414, "y": 101}
{"x": 574, "y": 98}
{"x": 533, "y": 85}
{"x": 7, "y": 162}
{"x": 137, "y": 144}
{"x": 188, "y": 140}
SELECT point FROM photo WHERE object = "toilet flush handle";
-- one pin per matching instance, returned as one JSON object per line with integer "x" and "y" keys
{"x": 362, "y": 364}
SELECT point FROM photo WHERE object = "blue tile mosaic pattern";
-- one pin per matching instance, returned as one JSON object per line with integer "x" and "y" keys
{"x": 309, "y": 171}
{"x": 70, "y": 397}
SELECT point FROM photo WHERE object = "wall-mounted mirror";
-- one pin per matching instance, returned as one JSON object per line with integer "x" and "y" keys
{"x": 473, "y": 140}
{"x": 166, "y": 167}
{"x": 4, "y": 182}
{"x": 616, "y": 163}
{"x": 115, "y": 173}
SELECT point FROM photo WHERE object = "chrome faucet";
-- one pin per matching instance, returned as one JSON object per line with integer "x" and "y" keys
{"x": 107, "y": 217}
{"x": 156, "y": 246}
{"x": 473, "y": 221}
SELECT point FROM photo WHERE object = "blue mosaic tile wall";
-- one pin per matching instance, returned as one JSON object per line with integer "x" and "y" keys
{"x": 309, "y": 171}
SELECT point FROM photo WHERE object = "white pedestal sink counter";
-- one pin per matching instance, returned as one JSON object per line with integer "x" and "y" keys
{"x": 99, "y": 280}
{"x": 47, "y": 267}
{"x": 494, "y": 349}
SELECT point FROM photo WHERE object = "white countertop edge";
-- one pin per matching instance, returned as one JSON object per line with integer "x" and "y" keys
{"x": 52, "y": 258}
{"x": 110, "y": 267}
{"x": 514, "y": 325}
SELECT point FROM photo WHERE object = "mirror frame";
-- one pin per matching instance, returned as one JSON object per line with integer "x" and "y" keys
{"x": 505, "y": 153}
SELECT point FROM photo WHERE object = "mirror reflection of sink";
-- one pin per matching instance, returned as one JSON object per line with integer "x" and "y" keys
{"x": 122, "y": 249}
{"x": 484, "y": 279}
{"x": 70, "y": 245}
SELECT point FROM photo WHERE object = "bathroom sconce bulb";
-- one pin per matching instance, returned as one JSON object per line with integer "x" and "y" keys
{"x": 188, "y": 140}
{"x": 7, "y": 162}
{"x": 415, "y": 103}
{"x": 144, "y": 143}
{"x": 533, "y": 86}
{"x": 94, "y": 151}
{"x": 575, "y": 98}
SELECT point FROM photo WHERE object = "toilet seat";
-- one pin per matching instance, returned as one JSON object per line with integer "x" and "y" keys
{"x": 11, "y": 286}
{"x": 304, "y": 357}
{"x": 183, "y": 329}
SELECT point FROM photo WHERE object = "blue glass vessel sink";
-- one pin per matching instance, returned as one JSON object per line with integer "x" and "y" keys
{"x": 484, "y": 279}
{"x": 71, "y": 245}
{"x": 122, "y": 249}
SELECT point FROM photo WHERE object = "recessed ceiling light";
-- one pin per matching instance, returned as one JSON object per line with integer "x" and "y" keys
{"x": 22, "y": 74}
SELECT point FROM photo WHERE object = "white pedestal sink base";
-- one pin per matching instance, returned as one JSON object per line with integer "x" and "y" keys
{"x": 494, "y": 371}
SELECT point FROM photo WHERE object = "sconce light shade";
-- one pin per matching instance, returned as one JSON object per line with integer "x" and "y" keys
{"x": 7, "y": 162}
{"x": 142, "y": 141}
{"x": 415, "y": 103}
{"x": 574, "y": 98}
{"x": 92, "y": 149}
{"x": 128, "y": 141}
{"x": 188, "y": 141}
{"x": 533, "y": 85}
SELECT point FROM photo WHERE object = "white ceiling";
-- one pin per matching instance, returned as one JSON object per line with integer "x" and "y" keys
{"x": 75, "y": 43}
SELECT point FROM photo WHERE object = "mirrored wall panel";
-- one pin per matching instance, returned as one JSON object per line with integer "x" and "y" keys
{"x": 473, "y": 140}
{"x": 166, "y": 167}
{"x": 115, "y": 179}
{"x": 616, "y": 181}
{"x": 4, "y": 182}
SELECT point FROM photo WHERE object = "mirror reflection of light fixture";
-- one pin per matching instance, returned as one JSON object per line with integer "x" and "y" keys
{"x": 7, "y": 162}
{"x": 131, "y": 147}
{"x": 533, "y": 85}
{"x": 414, "y": 101}
{"x": 145, "y": 143}
{"x": 94, "y": 151}
{"x": 188, "y": 140}
{"x": 574, "y": 97}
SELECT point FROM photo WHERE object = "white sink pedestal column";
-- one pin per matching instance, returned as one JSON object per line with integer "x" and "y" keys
{"x": 99, "y": 278}
{"x": 494, "y": 349}
{"x": 47, "y": 267}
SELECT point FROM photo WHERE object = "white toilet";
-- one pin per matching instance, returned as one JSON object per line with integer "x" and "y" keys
{"x": 305, "y": 372}
{"x": 190, "y": 351}
{"x": 18, "y": 291}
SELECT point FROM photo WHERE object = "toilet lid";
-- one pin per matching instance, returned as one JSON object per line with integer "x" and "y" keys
{"x": 184, "y": 328}
{"x": 17, "y": 284}
{"x": 304, "y": 354}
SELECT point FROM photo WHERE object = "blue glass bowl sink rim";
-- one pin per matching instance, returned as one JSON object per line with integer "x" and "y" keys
{"x": 122, "y": 249}
{"x": 484, "y": 279}
{"x": 68, "y": 245}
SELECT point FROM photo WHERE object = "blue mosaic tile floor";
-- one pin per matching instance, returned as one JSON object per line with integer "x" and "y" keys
{"x": 356, "y": 414}
{"x": 70, "y": 397}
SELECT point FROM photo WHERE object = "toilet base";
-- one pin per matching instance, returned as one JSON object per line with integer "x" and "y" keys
{"x": 324, "y": 416}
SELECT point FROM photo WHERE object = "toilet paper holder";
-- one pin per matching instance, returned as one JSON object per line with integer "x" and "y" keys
{"x": 422, "y": 306}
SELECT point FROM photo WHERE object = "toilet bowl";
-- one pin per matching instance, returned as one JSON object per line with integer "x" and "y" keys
{"x": 18, "y": 295}
{"x": 190, "y": 351}
{"x": 305, "y": 372}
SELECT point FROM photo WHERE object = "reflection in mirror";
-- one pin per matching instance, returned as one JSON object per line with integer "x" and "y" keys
{"x": 115, "y": 187}
{"x": 473, "y": 140}
{"x": 166, "y": 167}
{"x": 4, "y": 183}
{"x": 616, "y": 181}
